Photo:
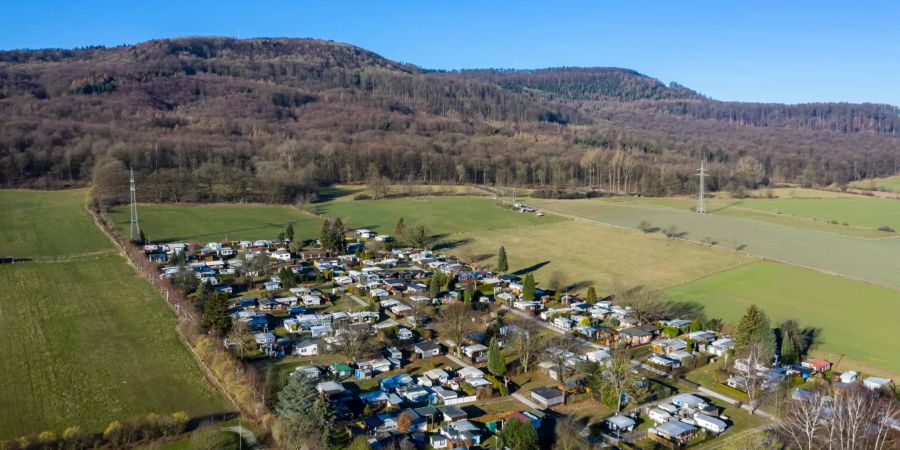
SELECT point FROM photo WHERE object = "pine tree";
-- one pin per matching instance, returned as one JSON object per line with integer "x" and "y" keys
{"x": 528, "y": 288}
{"x": 337, "y": 236}
{"x": 754, "y": 328}
{"x": 792, "y": 342}
{"x": 496, "y": 360}
{"x": 502, "y": 263}
{"x": 400, "y": 230}
{"x": 289, "y": 232}
{"x": 326, "y": 238}
{"x": 142, "y": 238}
{"x": 519, "y": 435}
{"x": 215, "y": 313}
{"x": 437, "y": 282}
{"x": 591, "y": 295}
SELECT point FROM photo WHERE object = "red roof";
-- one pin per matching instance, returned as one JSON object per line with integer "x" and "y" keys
{"x": 817, "y": 363}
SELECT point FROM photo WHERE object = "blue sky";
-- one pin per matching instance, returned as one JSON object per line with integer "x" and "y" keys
{"x": 784, "y": 51}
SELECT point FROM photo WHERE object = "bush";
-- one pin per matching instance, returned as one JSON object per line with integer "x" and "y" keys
{"x": 362, "y": 196}
{"x": 498, "y": 386}
{"x": 887, "y": 228}
{"x": 211, "y": 438}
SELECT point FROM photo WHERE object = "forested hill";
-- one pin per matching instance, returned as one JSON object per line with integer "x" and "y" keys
{"x": 599, "y": 88}
{"x": 210, "y": 118}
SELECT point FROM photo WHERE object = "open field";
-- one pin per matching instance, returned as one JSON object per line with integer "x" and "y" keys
{"x": 37, "y": 224}
{"x": 596, "y": 254}
{"x": 888, "y": 184}
{"x": 88, "y": 342}
{"x": 202, "y": 223}
{"x": 348, "y": 191}
{"x": 856, "y": 318}
{"x": 441, "y": 215}
{"x": 83, "y": 342}
{"x": 863, "y": 212}
{"x": 872, "y": 260}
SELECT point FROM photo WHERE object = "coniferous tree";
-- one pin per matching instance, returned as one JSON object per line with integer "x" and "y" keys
{"x": 591, "y": 295}
{"x": 215, "y": 313}
{"x": 496, "y": 359}
{"x": 400, "y": 230}
{"x": 754, "y": 328}
{"x": 289, "y": 232}
{"x": 326, "y": 238}
{"x": 502, "y": 263}
{"x": 519, "y": 435}
{"x": 528, "y": 288}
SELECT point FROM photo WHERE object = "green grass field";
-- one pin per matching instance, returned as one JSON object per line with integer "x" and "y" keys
{"x": 57, "y": 224}
{"x": 203, "y": 223}
{"x": 872, "y": 260}
{"x": 856, "y": 318}
{"x": 440, "y": 214}
{"x": 87, "y": 342}
{"x": 862, "y": 212}
{"x": 888, "y": 184}
{"x": 84, "y": 341}
{"x": 597, "y": 254}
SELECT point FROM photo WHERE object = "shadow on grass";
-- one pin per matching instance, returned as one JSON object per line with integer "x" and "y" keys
{"x": 530, "y": 269}
{"x": 447, "y": 245}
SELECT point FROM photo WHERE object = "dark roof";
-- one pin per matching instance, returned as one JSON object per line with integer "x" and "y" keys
{"x": 547, "y": 392}
{"x": 426, "y": 346}
{"x": 650, "y": 327}
{"x": 636, "y": 332}
{"x": 426, "y": 411}
{"x": 453, "y": 411}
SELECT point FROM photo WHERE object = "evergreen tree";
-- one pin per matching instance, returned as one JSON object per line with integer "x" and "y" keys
{"x": 496, "y": 360}
{"x": 419, "y": 236}
{"x": 215, "y": 313}
{"x": 502, "y": 263}
{"x": 289, "y": 232}
{"x": 754, "y": 328}
{"x": 310, "y": 415}
{"x": 792, "y": 342}
{"x": 337, "y": 236}
{"x": 143, "y": 238}
{"x": 437, "y": 282}
{"x": 287, "y": 278}
{"x": 528, "y": 288}
{"x": 400, "y": 230}
{"x": 519, "y": 435}
{"x": 591, "y": 295}
{"x": 326, "y": 238}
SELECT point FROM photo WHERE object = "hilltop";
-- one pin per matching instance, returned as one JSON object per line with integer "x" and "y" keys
{"x": 275, "y": 119}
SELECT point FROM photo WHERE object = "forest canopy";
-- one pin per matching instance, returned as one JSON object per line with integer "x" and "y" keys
{"x": 217, "y": 119}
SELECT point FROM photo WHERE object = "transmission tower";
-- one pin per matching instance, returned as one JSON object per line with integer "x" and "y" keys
{"x": 135, "y": 228}
{"x": 701, "y": 203}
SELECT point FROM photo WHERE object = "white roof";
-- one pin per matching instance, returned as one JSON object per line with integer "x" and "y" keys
{"x": 620, "y": 421}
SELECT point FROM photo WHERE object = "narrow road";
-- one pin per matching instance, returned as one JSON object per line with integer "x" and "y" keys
{"x": 732, "y": 401}
{"x": 525, "y": 400}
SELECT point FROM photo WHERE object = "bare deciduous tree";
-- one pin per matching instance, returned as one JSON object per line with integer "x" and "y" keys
{"x": 455, "y": 320}
{"x": 353, "y": 343}
{"x": 750, "y": 364}
{"x": 527, "y": 341}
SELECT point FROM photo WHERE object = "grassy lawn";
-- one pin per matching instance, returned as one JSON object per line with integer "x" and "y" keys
{"x": 865, "y": 212}
{"x": 88, "y": 342}
{"x": 203, "y": 223}
{"x": 596, "y": 254}
{"x": 856, "y": 318}
{"x": 440, "y": 214}
{"x": 871, "y": 260}
{"x": 38, "y": 224}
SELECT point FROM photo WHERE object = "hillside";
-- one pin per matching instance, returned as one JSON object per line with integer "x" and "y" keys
{"x": 209, "y": 119}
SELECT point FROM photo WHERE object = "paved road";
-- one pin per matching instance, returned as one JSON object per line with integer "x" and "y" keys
{"x": 525, "y": 400}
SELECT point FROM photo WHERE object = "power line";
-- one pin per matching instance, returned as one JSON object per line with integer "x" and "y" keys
{"x": 135, "y": 228}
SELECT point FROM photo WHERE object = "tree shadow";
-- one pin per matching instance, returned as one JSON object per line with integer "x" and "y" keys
{"x": 531, "y": 268}
{"x": 812, "y": 337}
{"x": 447, "y": 245}
{"x": 481, "y": 258}
{"x": 688, "y": 309}
{"x": 580, "y": 285}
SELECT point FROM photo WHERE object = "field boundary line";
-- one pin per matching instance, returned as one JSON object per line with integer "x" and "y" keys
{"x": 745, "y": 253}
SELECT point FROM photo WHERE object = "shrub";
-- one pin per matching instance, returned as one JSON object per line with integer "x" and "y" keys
{"x": 887, "y": 228}
{"x": 362, "y": 196}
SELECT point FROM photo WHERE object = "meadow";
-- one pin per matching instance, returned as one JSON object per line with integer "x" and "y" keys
{"x": 856, "y": 319}
{"x": 872, "y": 260}
{"x": 888, "y": 184}
{"x": 85, "y": 340}
{"x": 441, "y": 215}
{"x": 42, "y": 224}
{"x": 592, "y": 254}
{"x": 204, "y": 223}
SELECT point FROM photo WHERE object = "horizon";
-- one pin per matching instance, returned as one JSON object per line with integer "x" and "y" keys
{"x": 765, "y": 52}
